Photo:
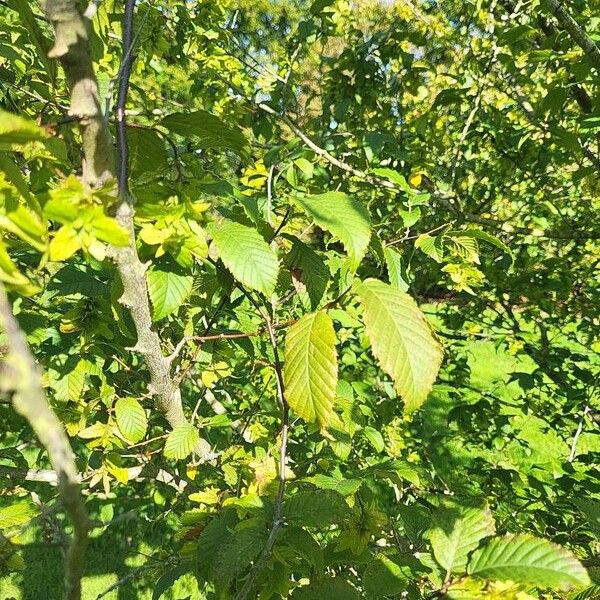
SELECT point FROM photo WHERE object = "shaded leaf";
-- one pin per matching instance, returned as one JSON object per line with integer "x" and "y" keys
{"x": 345, "y": 218}
{"x": 209, "y": 130}
{"x": 456, "y": 532}
{"x": 308, "y": 270}
{"x": 315, "y": 509}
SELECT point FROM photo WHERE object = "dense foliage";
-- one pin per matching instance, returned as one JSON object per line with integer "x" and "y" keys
{"x": 310, "y": 289}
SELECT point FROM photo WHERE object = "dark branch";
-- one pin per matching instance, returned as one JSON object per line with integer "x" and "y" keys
{"x": 278, "y": 520}
{"x": 125, "y": 74}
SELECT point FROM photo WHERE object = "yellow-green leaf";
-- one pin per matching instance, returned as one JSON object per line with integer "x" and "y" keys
{"x": 529, "y": 560}
{"x": 16, "y": 514}
{"x": 401, "y": 340}
{"x": 64, "y": 244}
{"x": 310, "y": 368}
{"x": 181, "y": 441}
{"x": 108, "y": 230}
{"x": 131, "y": 419}
{"x": 15, "y": 129}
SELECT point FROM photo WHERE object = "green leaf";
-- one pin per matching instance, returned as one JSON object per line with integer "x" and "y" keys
{"x": 41, "y": 42}
{"x": 430, "y": 245}
{"x": 239, "y": 550}
{"x": 9, "y": 272}
{"x": 168, "y": 290}
{"x": 209, "y": 130}
{"x": 246, "y": 255}
{"x": 395, "y": 269}
{"x": 456, "y": 532}
{"x": 108, "y": 230}
{"x": 16, "y": 514}
{"x": 385, "y": 577}
{"x": 69, "y": 379}
{"x": 464, "y": 246}
{"x": 15, "y": 129}
{"x": 64, "y": 244}
{"x": 591, "y": 510}
{"x": 71, "y": 280}
{"x": 213, "y": 537}
{"x": 308, "y": 270}
{"x": 375, "y": 438}
{"x": 589, "y": 593}
{"x": 13, "y": 175}
{"x": 131, "y": 419}
{"x": 394, "y": 177}
{"x": 310, "y": 368}
{"x": 181, "y": 441}
{"x": 401, "y": 340}
{"x": 528, "y": 560}
{"x": 147, "y": 151}
{"x": 328, "y": 588}
{"x": 305, "y": 166}
{"x": 345, "y": 218}
{"x": 167, "y": 580}
{"x": 294, "y": 542}
{"x": 344, "y": 487}
{"x": 318, "y": 508}
{"x": 484, "y": 236}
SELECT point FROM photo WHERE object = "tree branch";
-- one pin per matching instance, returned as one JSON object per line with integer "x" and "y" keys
{"x": 573, "y": 451}
{"x": 125, "y": 74}
{"x": 73, "y": 48}
{"x": 577, "y": 33}
{"x": 22, "y": 377}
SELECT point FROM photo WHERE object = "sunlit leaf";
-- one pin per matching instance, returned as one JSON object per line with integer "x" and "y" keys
{"x": 181, "y": 442}
{"x": 246, "y": 255}
{"x": 168, "y": 290}
{"x": 401, "y": 340}
{"x": 310, "y": 368}
{"x": 530, "y": 560}
{"x": 131, "y": 419}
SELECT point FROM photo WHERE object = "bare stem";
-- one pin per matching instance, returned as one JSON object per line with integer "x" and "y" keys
{"x": 586, "y": 410}
{"x": 577, "y": 33}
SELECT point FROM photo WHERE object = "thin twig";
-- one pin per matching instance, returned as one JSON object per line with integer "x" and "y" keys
{"x": 283, "y": 222}
{"x": 278, "y": 520}
{"x": 586, "y": 410}
{"x": 126, "y": 65}
{"x": 222, "y": 336}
